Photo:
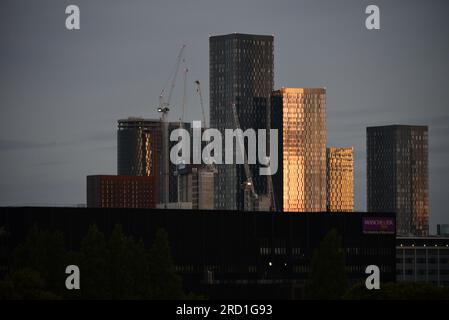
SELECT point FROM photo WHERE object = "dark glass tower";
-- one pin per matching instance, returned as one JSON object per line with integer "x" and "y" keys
{"x": 138, "y": 147}
{"x": 397, "y": 174}
{"x": 139, "y": 151}
{"x": 241, "y": 73}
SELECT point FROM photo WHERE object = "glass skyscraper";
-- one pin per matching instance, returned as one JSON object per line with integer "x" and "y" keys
{"x": 340, "y": 179}
{"x": 397, "y": 174}
{"x": 241, "y": 73}
{"x": 138, "y": 147}
{"x": 139, "y": 152}
{"x": 300, "y": 116}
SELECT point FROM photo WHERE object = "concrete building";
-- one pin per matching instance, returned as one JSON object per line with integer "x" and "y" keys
{"x": 300, "y": 116}
{"x": 397, "y": 175}
{"x": 196, "y": 185}
{"x": 340, "y": 179}
{"x": 423, "y": 259}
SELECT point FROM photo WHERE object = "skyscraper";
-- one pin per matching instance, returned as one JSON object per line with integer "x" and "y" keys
{"x": 138, "y": 147}
{"x": 241, "y": 73}
{"x": 397, "y": 174}
{"x": 139, "y": 152}
{"x": 340, "y": 179}
{"x": 300, "y": 116}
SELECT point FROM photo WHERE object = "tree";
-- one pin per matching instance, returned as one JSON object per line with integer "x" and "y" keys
{"x": 327, "y": 279}
{"x": 93, "y": 257}
{"x": 120, "y": 260}
{"x": 115, "y": 268}
{"x": 398, "y": 291}
{"x": 165, "y": 282}
{"x": 25, "y": 284}
{"x": 43, "y": 251}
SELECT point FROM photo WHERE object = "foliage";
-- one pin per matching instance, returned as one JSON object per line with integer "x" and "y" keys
{"x": 44, "y": 252}
{"x": 166, "y": 283}
{"x": 25, "y": 284}
{"x": 116, "y": 268}
{"x": 327, "y": 278}
{"x": 398, "y": 291}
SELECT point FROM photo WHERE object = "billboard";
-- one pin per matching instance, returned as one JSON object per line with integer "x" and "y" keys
{"x": 378, "y": 225}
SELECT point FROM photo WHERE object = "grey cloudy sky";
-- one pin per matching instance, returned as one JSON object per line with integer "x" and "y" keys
{"x": 61, "y": 92}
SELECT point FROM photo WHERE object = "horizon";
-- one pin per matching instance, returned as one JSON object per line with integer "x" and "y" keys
{"x": 63, "y": 92}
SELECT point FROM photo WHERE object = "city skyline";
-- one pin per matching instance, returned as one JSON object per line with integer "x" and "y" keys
{"x": 49, "y": 157}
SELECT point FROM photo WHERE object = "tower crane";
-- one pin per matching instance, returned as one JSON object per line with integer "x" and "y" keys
{"x": 253, "y": 201}
{"x": 164, "y": 108}
{"x": 184, "y": 99}
{"x": 198, "y": 89}
{"x": 164, "y": 103}
{"x": 211, "y": 167}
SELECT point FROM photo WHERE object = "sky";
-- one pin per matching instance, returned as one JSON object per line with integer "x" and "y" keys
{"x": 62, "y": 92}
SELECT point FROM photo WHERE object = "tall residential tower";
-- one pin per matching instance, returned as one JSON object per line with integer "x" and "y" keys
{"x": 138, "y": 147}
{"x": 397, "y": 174}
{"x": 340, "y": 179}
{"x": 300, "y": 116}
{"x": 241, "y": 73}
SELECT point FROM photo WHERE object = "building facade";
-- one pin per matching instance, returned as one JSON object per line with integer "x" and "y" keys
{"x": 300, "y": 116}
{"x": 172, "y": 169}
{"x": 397, "y": 175}
{"x": 139, "y": 152}
{"x": 106, "y": 191}
{"x": 340, "y": 179}
{"x": 139, "y": 146}
{"x": 241, "y": 74}
{"x": 443, "y": 230}
{"x": 423, "y": 259}
{"x": 230, "y": 255}
{"x": 196, "y": 185}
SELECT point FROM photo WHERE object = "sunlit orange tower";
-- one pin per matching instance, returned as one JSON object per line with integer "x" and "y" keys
{"x": 300, "y": 116}
{"x": 340, "y": 179}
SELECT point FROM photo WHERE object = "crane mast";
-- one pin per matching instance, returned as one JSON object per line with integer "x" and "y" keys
{"x": 198, "y": 89}
{"x": 249, "y": 179}
{"x": 164, "y": 108}
{"x": 162, "y": 102}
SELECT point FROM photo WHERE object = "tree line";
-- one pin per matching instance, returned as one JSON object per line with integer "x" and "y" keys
{"x": 114, "y": 267}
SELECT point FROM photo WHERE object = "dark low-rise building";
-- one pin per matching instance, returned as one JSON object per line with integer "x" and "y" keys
{"x": 423, "y": 259}
{"x": 230, "y": 254}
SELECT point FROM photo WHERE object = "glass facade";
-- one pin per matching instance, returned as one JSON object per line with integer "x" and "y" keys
{"x": 138, "y": 147}
{"x": 397, "y": 175}
{"x": 300, "y": 116}
{"x": 340, "y": 179}
{"x": 241, "y": 73}
{"x": 139, "y": 151}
